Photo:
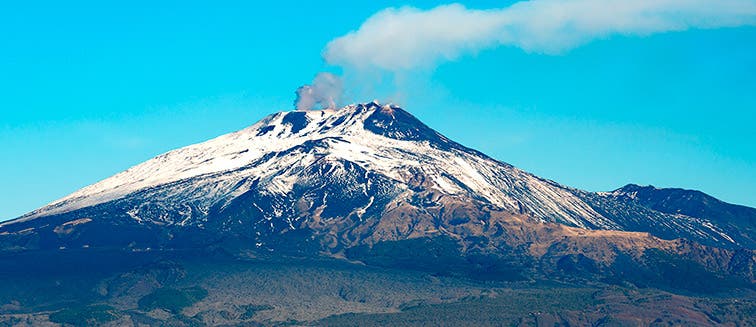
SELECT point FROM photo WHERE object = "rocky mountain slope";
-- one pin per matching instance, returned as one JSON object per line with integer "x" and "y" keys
{"x": 366, "y": 216}
{"x": 734, "y": 219}
{"x": 351, "y": 182}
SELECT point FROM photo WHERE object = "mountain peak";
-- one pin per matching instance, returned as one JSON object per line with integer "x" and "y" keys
{"x": 386, "y": 120}
{"x": 634, "y": 187}
{"x": 739, "y": 221}
{"x": 364, "y": 161}
{"x": 353, "y": 133}
{"x": 276, "y": 155}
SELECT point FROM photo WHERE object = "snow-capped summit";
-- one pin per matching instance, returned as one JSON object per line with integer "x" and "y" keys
{"x": 384, "y": 140}
{"x": 340, "y": 172}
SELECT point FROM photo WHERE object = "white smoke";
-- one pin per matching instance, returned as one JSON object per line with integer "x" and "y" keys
{"x": 324, "y": 93}
{"x": 406, "y": 43}
{"x": 408, "y": 38}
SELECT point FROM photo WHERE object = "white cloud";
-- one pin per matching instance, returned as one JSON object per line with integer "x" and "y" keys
{"x": 407, "y": 38}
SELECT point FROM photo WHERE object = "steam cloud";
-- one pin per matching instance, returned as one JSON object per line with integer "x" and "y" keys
{"x": 401, "y": 41}
{"x": 323, "y": 93}
{"x": 408, "y": 38}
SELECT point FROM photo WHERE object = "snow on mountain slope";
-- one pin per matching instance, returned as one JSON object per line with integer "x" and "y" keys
{"x": 738, "y": 221}
{"x": 453, "y": 169}
{"x": 360, "y": 160}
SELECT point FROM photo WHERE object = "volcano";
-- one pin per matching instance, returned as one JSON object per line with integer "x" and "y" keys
{"x": 357, "y": 175}
{"x": 371, "y": 184}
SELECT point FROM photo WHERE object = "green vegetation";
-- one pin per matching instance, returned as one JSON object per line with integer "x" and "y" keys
{"x": 85, "y": 315}
{"x": 301, "y": 292}
{"x": 251, "y": 309}
{"x": 659, "y": 269}
{"x": 172, "y": 300}
{"x": 507, "y": 308}
{"x": 441, "y": 256}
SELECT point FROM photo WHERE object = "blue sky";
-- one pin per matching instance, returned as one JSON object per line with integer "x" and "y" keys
{"x": 90, "y": 89}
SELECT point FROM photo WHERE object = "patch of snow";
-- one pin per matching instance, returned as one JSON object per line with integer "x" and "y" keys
{"x": 268, "y": 151}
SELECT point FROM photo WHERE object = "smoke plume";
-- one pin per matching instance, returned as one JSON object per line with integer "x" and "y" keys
{"x": 408, "y": 38}
{"x": 324, "y": 93}
{"x": 408, "y": 42}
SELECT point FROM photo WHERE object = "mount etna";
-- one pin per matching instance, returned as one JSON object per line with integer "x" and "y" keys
{"x": 364, "y": 215}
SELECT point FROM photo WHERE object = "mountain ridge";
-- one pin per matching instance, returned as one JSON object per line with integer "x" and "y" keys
{"x": 379, "y": 154}
{"x": 367, "y": 187}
